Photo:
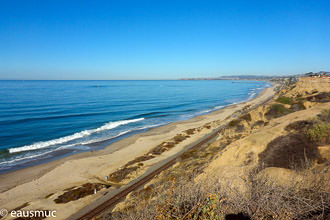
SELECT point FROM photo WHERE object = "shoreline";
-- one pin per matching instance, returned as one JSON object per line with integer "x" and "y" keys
{"x": 98, "y": 145}
{"x": 103, "y": 144}
{"x": 126, "y": 140}
{"x": 100, "y": 163}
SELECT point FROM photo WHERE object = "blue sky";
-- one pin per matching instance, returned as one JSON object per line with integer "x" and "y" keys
{"x": 55, "y": 39}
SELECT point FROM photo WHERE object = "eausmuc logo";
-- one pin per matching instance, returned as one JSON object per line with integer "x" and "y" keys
{"x": 28, "y": 213}
{"x": 3, "y": 212}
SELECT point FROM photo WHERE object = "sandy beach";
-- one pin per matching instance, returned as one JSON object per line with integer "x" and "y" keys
{"x": 36, "y": 188}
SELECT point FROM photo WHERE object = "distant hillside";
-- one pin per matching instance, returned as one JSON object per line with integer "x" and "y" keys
{"x": 237, "y": 77}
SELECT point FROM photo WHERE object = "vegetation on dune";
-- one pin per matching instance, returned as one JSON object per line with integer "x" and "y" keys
{"x": 325, "y": 115}
{"x": 277, "y": 110}
{"x": 139, "y": 159}
{"x": 80, "y": 192}
{"x": 246, "y": 117}
{"x": 299, "y": 145}
{"x": 122, "y": 173}
{"x": 297, "y": 106}
{"x": 321, "y": 97}
{"x": 289, "y": 151}
{"x": 237, "y": 125}
{"x": 158, "y": 150}
{"x": 190, "y": 131}
{"x": 299, "y": 126}
{"x": 299, "y": 98}
{"x": 134, "y": 165}
{"x": 258, "y": 123}
{"x": 285, "y": 100}
{"x": 320, "y": 133}
{"x": 234, "y": 123}
{"x": 178, "y": 138}
{"x": 185, "y": 199}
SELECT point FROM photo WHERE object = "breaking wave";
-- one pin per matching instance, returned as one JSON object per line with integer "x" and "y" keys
{"x": 45, "y": 144}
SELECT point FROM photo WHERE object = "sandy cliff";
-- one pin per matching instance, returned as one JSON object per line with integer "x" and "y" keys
{"x": 269, "y": 162}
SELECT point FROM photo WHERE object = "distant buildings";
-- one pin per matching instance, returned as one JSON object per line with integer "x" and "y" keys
{"x": 320, "y": 74}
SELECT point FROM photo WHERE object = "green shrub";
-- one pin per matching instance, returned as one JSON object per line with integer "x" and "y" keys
{"x": 246, "y": 117}
{"x": 325, "y": 115}
{"x": 300, "y": 126}
{"x": 301, "y": 99}
{"x": 178, "y": 138}
{"x": 234, "y": 122}
{"x": 285, "y": 100}
{"x": 298, "y": 106}
{"x": 190, "y": 131}
{"x": 277, "y": 110}
{"x": 319, "y": 133}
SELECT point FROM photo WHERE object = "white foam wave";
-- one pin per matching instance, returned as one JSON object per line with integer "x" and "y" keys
{"x": 24, "y": 158}
{"x": 204, "y": 111}
{"x": 45, "y": 144}
{"x": 219, "y": 107}
{"x": 252, "y": 95}
{"x": 72, "y": 145}
{"x": 120, "y": 134}
{"x": 112, "y": 125}
{"x": 99, "y": 140}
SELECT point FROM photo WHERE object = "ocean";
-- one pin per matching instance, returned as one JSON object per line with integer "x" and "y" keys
{"x": 42, "y": 121}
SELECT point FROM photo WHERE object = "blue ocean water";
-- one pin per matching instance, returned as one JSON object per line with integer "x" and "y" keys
{"x": 46, "y": 120}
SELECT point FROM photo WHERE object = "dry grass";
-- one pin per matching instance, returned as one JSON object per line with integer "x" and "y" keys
{"x": 288, "y": 151}
{"x": 139, "y": 159}
{"x": 179, "y": 138}
{"x": 122, "y": 173}
{"x": 185, "y": 199}
{"x": 299, "y": 126}
{"x": 237, "y": 125}
{"x": 158, "y": 150}
{"x": 134, "y": 165}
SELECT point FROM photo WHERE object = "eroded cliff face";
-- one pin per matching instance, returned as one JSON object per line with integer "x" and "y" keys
{"x": 274, "y": 140}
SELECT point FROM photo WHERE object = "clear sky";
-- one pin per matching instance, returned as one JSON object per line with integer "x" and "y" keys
{"x": 55, "y": 39}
